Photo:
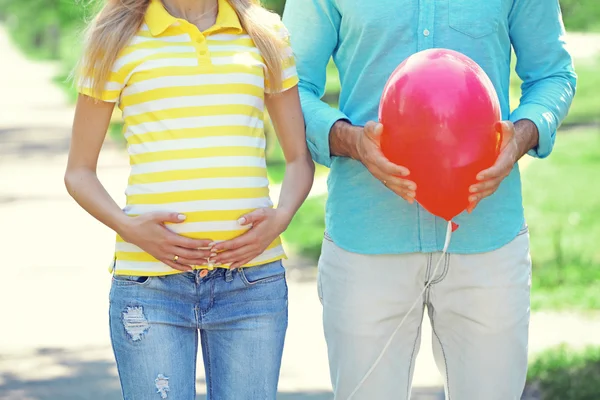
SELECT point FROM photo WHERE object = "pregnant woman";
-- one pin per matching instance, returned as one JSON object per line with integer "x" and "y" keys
{"x": 198, "y": 254}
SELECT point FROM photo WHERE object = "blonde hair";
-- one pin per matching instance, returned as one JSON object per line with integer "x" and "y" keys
{"x": 119, "y": 20}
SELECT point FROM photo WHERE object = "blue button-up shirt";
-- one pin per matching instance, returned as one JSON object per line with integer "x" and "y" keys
{"x": 368, "y": 40}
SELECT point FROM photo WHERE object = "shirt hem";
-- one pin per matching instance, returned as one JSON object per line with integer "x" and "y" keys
{"x": 451, "y": 250}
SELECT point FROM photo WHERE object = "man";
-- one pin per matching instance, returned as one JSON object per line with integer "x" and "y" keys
{"x": 381, "y": 246}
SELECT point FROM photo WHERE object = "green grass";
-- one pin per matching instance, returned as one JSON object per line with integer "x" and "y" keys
{"x": 565, "y": 374}
{"x": 562, "y": 205}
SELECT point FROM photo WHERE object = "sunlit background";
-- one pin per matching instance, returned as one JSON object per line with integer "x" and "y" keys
{"x": 54, "y": 285}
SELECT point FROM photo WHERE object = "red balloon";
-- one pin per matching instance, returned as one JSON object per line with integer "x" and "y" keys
{"x": 439, "y": 112}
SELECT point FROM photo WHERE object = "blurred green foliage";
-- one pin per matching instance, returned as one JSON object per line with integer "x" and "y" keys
{"x": 41, "y": 26}
{"x": 563, "y": 373}
{"x": 274, "y": 5}
{"x": 305, "y": 233}
{"x": 581, "y": 15}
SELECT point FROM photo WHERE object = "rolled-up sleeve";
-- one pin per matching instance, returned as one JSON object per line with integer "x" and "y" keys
{"x": 314, "y": 25}
{"x": 545, "y": 66}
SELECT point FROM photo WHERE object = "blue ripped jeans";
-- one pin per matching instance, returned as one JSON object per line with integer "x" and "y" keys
{"x": 241, "y": 317}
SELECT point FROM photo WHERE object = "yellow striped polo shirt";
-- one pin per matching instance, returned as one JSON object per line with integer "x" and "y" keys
{"x": 193, "y": 109}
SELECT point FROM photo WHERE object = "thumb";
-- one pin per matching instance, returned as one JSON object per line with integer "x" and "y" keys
{"x": 507, "y": 131}
{"x": 253, "y": 217}
{"x": 374, "y": 130}
{"x": 168, "y": 217}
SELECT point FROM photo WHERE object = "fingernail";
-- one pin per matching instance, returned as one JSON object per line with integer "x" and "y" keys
{"x": 181, "y": 217}
{"x": 480, "y": 177}
{"x": 473, "y": 189}
{"x": 211, "y": 244}
{"x": 472, "y": 199}
{"x": 241, "y": 221}
{"x": 412, "y": 187}
{"x": 212, "y": 255}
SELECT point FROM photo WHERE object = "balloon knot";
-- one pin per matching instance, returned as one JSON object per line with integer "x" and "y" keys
{"x": 454, "y": 226}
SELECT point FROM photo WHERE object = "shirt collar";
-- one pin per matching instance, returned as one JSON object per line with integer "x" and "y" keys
{"x": 227, "y": 18}
{"x": 158, "y": 18}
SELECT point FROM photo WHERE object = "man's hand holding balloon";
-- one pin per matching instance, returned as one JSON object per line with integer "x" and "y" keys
{"x": 391, "y": 175}
{"x": 364, "y": 144}
{"x": 517, "y": 140}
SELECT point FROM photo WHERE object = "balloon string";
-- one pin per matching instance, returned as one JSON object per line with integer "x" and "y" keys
{"x": 420, "y": 297}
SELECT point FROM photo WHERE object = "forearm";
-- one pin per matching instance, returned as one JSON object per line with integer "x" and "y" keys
{"x": 297, "y": 182}
{"x": 545, "y": 66}
{"x": 85, "y": 187}
{"x": 526, "y": 135}
{"x": 324, "y": 20}
{"x": 320, "y": 119}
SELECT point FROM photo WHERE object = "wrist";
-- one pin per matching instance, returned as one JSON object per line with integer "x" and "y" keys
{"x": 344, "y": 140}
{"x": 123, "y": 225}
{"x": 284, "y": 217}
{"x": 526, "y": 135}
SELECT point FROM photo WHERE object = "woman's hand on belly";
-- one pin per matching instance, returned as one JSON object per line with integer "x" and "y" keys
{"x": 148, "y": 232}
{"x": 266, "y": 226}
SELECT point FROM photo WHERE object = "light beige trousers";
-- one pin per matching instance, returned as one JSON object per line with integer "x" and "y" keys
{"x": 478, "y": 305}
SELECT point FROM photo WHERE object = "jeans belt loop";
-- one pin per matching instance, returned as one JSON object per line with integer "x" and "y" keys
{"x": 229, "y": 275}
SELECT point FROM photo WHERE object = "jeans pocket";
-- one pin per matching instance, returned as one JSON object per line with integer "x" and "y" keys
{"x": 131, "y": 280}
{"x": 474, "y": 18}
{"x": 261, "y": 274}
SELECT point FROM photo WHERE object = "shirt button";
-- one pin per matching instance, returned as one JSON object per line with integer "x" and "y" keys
{"x": 426, "y": 32}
